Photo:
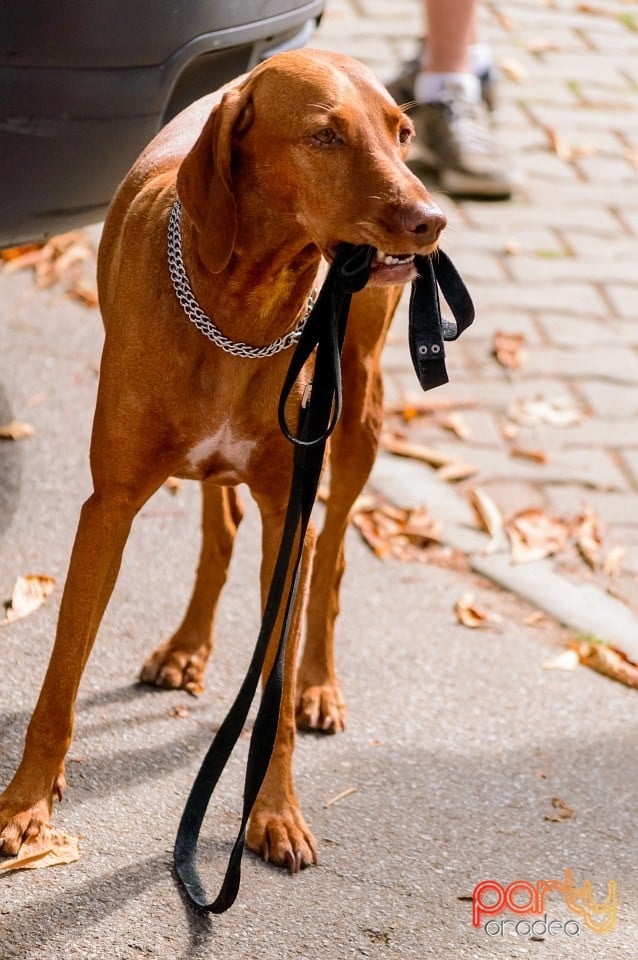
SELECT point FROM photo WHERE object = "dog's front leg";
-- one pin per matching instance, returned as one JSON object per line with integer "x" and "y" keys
{"x": 277, "y": 829}
{"x": 181, "y": 660}
{"x": 353, "y": 448}
{"x": 26, "y": 804}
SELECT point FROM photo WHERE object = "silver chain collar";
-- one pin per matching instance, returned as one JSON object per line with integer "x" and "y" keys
{"x": 196, "y": 315}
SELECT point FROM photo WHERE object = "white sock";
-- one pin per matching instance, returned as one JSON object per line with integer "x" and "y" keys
{"x": 432, "y": 86}
{"x": 480, "y": 58}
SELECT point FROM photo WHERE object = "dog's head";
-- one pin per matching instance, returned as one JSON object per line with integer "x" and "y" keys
{"x": 309, "y": 145}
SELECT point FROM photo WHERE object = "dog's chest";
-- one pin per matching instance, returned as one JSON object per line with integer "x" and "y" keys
{"x": 223, "y": 456}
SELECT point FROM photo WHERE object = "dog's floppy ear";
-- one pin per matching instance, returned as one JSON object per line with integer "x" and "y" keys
{"x": 204, "y": 179}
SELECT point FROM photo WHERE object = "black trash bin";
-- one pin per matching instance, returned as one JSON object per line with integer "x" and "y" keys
{"x": 84, "y": 87}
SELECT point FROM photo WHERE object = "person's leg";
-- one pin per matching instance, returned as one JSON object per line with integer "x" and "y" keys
{"x": 447, "y": 81}
{"x": 451, "y": 29}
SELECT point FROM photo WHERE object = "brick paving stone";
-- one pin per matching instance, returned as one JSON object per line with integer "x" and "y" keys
{"x": 575, "y": 466}
{"x": 630, "y": 216}
{"x": 583, "y": 244}
{"x": 613, "y": 508}
{"x": 546, "y": 167}
{"x": 615, "y": 169}
{"x": 570, "y": 67}
{"x": 588, "y": 267}
{"x": 483, "y": 429}
{"x": 628, "y": 330}
{"x": 610, "y": 363}
{"x": 563, "y": 330}
{"x": 589, "y": 197}
{"x": 541, "y": 296}
{"x": 511, "y": 496}
{"x": 490, "y": 321}
{"x": 503, "y": 243}
{"x": 609, "y": 399}
{"x": 598, "y": 221}
{"x": 624, "y": 298}
{"x": 594, "y": 432}
{"x": 630, "y": 459}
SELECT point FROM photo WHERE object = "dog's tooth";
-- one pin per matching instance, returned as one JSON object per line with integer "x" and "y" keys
{"x": 380, "y": 255}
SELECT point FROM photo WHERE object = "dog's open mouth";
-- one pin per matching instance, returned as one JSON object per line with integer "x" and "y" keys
{"x": 387, "y": 268}
{"x": 392, "y": 267}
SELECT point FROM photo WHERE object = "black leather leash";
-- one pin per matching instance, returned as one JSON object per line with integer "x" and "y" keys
{"x": 324, "y": 333}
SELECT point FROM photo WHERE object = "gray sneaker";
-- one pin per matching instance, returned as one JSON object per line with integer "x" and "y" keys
{"x": 454, "y": 138}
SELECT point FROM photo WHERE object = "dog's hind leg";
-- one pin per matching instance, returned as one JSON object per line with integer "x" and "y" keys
{"x": 181, "y": 660}
{"x": 353, "y": 448}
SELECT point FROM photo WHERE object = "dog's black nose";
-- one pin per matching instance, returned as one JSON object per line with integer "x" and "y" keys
{"x": 424, "y": 220}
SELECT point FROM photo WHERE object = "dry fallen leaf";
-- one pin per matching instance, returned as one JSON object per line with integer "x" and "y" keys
{"x": 179, "y": 711}
{"x": 596, "y": 9}
{"x": 172, "y": 485}
{"x": 535, "y": 534}
{"x": 470, "y": 615}
{"x": 540, "y": 45}
{"x": 411, "y": 409}
{"x": 611, "y": 563}
{"x": 449, "y": 468}
{"x": 536, "y": 616}
{"x": 457, "y": 470}
{"x": 51, "y": 848}
{"x": 14, "y": 253}
{"x": 84, "y": 292}
{"x": 60, "y": 257}
{"x": 455, "y": 423}
{"x": 567, "y": 660}
{"x": 562, "y": 811}
{"x": 395, "y": 531}
{"x": 536, "y": 456}
{"x": 505, "y": 21}
{"x": 588, "y": 537}
{"x": 29, "y": 593}
{"x": 340, "y": 796}
{"x": 508, "y": 348}
{"x": 559, "y": 144}
{"x": 555, "y": 411}
{"x": 394, "y": 443}
{"x": 488, "y": 516}
{"x": 513, "y": 70}
{"x": 587, "y": 149}
{"x": 16, "y": 430}
{"x": 608, "y": 660}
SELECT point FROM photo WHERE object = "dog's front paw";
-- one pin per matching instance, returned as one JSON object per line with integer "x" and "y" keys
{"x": 281, "y": 838}
{"x": 23, "y": 819}
{"x": 176, "y": 668}
{"x": 321, "y": 708}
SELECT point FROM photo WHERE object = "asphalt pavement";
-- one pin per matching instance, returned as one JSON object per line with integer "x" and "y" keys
{"x": 464, "y": 759}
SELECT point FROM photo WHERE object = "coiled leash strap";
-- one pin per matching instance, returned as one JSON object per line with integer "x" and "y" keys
{"x": 324, "y": 333}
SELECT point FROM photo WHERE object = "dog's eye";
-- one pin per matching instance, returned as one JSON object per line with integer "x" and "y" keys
{"x": 326, "y": 135}
{"x": 405, "y": 135}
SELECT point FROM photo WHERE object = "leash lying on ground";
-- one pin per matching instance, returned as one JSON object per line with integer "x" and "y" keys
{"x": 324, "y": 332}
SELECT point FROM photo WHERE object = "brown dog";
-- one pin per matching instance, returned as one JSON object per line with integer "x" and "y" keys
{"x": 273, "y": 172}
